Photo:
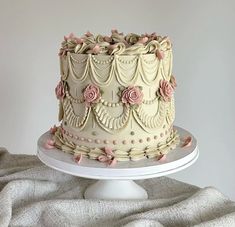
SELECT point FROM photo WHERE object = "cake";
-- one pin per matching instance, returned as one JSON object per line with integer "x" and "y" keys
{"x": 116, "y": 97}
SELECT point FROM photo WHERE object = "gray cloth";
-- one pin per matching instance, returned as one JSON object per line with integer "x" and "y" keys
{"x": 32, "y": 194}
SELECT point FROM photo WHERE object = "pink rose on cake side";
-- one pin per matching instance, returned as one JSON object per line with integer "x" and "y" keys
{"x": 91, "y": 94}
{"x": 173, "y": 82}
{"x": 59, "y": 90}
{"x": 165, "y": 90}
{"x": 132, "y": 95}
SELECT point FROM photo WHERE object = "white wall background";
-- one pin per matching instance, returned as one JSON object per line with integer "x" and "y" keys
{"x": 203, "y": 34}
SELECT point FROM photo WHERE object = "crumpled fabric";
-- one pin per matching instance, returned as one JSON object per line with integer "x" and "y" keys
{"x": 32, "y": 194}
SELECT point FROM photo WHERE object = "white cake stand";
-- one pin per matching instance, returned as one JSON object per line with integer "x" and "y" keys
{"x": 117, "y": 182}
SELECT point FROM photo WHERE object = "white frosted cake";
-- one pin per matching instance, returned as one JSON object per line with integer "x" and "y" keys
{"x": 116, "y": 97}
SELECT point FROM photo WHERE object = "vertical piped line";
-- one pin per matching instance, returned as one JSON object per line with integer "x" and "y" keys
{"x": 93, "y": 122}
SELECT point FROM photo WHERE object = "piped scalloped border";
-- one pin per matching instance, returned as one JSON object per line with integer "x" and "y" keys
{"x": 117, "y": 43}
{"x": 133, "y": 154}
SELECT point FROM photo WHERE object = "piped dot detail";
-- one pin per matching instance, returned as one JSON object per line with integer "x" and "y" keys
{"x": 97, "y": 141}
{"x": 106, "y": 141}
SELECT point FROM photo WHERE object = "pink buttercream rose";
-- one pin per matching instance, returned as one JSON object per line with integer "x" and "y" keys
{"x": 165, "y": 90}
{"x": 88, "y": 34}
{"x": 108, "y": 157}
{"x": 53, "y": 129}
{"x": 78, "y": 158}
{"x": 151, "y": 36}
{"x": 143, "y": 40}
{"x": 132, "y": 95}
{"x": 79, "y": 40}
{"x": 59, "y": 90}
{"x": 70, "y": 36}
{"x": 94, "y": 50}
{"x": 187, "y": 142}
{"x": 107, "y": 39}
{"x": 50, "y": 144}
{"x": 173, "y": 82}
{"x": 91, "y": 94}
{"x": 115, "y": 31}
{"x": 161, "y": 158}
{"x": 160, "y": 54}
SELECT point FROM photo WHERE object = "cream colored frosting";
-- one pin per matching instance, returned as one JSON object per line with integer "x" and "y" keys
{"x": 117, "y": 44}
{"x": 133, "y": 154}
{"x": 126, "y": 129}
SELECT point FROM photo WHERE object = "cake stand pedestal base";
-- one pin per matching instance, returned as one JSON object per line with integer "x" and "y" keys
{"x": 116, "y": 182}
{"x": 118, "y": 189}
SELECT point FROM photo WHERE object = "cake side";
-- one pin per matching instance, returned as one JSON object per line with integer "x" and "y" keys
{"x": 119, "y": 99}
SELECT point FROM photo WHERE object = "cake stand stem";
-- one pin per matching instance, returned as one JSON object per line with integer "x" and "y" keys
{"x": 115, "y": 189}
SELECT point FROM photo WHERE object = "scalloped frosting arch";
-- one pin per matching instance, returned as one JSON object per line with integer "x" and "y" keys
{"x": 101, "y": 69}
{"x": 113, "y": 124}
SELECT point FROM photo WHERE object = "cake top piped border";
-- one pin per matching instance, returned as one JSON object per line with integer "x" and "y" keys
{"x": 116, "y": 43}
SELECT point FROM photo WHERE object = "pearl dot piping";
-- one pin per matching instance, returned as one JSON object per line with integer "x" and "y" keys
{"x": 106, "y": 141}
{"x": 115, "y": 142}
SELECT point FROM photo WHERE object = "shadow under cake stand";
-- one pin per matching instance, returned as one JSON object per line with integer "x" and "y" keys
{"x": 117, "y": 182}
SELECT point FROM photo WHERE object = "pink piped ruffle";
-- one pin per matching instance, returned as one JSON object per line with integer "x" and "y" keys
{"x": 78, "y": 158}
{"x": 108, "y": 157}
{"x": 50, "y": 144}
{"x": 187, "y": 142}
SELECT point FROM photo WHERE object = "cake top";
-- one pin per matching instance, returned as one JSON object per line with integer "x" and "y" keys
{"x": 116, "y": 43}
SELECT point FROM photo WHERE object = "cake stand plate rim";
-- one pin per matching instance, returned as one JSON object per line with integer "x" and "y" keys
{"x": 63, "y": 162}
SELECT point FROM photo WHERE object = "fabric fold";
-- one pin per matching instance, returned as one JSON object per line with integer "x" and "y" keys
{"x": 32, "y": 194}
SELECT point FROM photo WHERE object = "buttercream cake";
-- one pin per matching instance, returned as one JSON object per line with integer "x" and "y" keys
{"x": 116, "y": 97}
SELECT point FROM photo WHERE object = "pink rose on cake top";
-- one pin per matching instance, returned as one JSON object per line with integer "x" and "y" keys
{"x": 94, "y": 50}
{"x": 116, "y": 43}
{"x": 143, "y": 40}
